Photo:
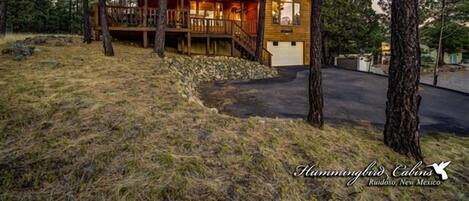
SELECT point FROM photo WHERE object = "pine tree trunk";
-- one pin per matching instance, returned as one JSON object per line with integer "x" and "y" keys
{"x": 160, "y": 29}
{"x": 441, "y": 52}
{"x": 401, "y": 131}
{"x": 70, "y": 16}
{"x": 260, "y": 31}
{"x": 316, "y": 103}
{"x": 327, "y": 59}
{"x": 107, "y": 40}
{"x": 3, "y": 17}
{"x": 441, "y": 58}
{"x": 86, "y": 23}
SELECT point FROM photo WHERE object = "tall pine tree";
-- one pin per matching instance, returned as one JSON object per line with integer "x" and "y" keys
{"x": 316, "y": 100}
{"x": 86, "y": 23}
{"x": 260, "y": 31}
{"x": 107, "y": 40}
{"x": 401, "y": 131}
{"x": 160, "y": 34}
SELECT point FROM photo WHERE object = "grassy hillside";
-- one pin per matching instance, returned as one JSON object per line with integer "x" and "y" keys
{"x": 77, "y": 125}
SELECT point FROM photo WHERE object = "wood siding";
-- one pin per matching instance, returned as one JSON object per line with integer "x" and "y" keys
{"x": 274, "y": 32}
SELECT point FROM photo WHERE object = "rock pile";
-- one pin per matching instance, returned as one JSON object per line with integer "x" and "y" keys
{"x": 24, "y": 48}
{"x": 50, "y": 40}
{"x": 196, "y": 69}
{"x": 19, "y": 50}
{"x": 203, "y": 68}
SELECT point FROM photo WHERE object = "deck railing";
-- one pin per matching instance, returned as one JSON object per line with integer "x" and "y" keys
{"x": 123, "y": 16}
{"x": 240, "y": 34}
{"x": 174, "y": 18}
{"x": 250, "y": 27}
{"x": 211, "y": 26}
{"x": 266, "y": 57}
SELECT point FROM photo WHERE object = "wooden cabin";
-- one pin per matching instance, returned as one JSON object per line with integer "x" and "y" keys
{"x": 218, "y": 27}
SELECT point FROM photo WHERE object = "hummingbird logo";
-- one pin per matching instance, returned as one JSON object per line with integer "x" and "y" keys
{"x": 440, "y": 169}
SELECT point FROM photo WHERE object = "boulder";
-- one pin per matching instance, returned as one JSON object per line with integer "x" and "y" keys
{"x": 19, "y": 51}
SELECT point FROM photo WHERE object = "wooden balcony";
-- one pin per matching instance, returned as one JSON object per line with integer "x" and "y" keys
{"x": 242, "y": 34}
{"x": 122, "y": 18}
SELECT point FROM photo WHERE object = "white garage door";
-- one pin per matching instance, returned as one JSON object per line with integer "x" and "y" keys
{"x": 286, "y": 53}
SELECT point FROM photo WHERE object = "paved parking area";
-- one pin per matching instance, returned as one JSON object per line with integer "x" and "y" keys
{"x": 458, "y": 80}
{"x": 350, "y": 97}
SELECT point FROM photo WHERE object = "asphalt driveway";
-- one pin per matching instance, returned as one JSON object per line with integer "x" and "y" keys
{"x": 350, "y": 98}
{"x": 458, "y": 80}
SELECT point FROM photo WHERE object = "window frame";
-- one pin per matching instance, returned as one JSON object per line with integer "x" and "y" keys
{"x": 279, "y": 14}
{"x": 202, "y": 13}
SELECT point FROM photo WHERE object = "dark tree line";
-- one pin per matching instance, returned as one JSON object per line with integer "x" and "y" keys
{"x": 44, "y": 16}
{"x": 3, "y": 10}
{"x": 351, "y": 27}
{"x": 445, "y": 19}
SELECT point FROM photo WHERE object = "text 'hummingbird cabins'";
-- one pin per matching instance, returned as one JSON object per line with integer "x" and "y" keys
{"x": 218, "y": 27}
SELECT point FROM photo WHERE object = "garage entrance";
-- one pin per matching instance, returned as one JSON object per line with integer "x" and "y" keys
{"x": 286, "y": 53}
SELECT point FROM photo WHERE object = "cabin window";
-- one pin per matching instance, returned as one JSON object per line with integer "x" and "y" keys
{"x": 193, "y": 9}
{"x": 235, "y": 11}
{"x": 203, "y": 9}
{"x": 275, "y": 12}
{"x": 286, "y": 12}
{"x": 275, "y": 43}
{"x": 293, "y": 43}
{"x": 296, "y": 14}
{"x": 207, "y": 9}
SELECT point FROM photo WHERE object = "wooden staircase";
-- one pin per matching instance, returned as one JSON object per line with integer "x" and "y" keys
{"x": 243, "y": 42}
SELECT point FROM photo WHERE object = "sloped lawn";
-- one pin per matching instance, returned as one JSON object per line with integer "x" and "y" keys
{"x": 91, "y": 127}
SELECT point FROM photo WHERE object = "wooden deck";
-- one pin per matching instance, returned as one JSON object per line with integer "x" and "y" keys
{"x": 142, "y": 19}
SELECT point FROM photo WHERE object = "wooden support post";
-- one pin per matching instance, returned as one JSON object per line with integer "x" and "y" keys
{"x": 207, "y": 46}
{"x": 183, "y": 45}
{"x": 145, "y": 39}
{"x": 189, "y": 43}
{"x": 232, "y": 47}
{"x": 215, "y": 47}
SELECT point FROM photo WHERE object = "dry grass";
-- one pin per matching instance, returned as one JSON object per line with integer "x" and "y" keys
{"x": 116, "y": 128}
